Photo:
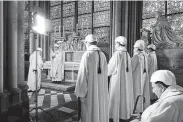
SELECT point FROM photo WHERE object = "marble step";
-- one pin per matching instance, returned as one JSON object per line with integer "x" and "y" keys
{"x": 64, "y": 86}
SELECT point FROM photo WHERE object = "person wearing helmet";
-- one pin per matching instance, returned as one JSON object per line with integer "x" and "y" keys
{"x": 121, "y": 99}
{"x": 35, "y": 70}
{"x": 152, "y": 66}
{"x": 91, "y": 85}
{"x": 57, "y": 68}
{"x": 140, "y": 76}
{"x": 169, "y": 106}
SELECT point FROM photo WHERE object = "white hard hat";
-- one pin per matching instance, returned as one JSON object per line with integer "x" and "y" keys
{"x": 121, "y": 39}
{"x": 165, "y": 76}
{"x": 139, "y": 44}
{"x": 152, "y": 46}
{"x": 56, "y": 45}
{"x": 59, "y": 42}
{"x": 90, "y": 38}
{"x": 39, "y": 49}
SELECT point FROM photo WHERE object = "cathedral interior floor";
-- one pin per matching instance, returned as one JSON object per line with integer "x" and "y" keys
{"x": 58, "y": 103}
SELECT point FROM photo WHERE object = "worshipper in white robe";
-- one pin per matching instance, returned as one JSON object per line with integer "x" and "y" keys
{"x": 140, "y": 76}
{"x": 152, "y": 66}
{"x": 169, "y": 106}
{"x": 92, "y": 85}
{"x": 57, "y": 72}
{"x": 32, "y": 67}
{"x": 121, "y": 99}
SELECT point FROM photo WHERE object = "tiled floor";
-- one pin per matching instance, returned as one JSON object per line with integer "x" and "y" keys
{"x": 48, "y": 99}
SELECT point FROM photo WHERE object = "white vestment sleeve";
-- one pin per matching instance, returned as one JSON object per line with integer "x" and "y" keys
{"x": 81, "y": 84}
{"x": 111, "y": 65}
{"x": 149, "y": 63}
{"x": 167, "y": 114}
{"x": 134, "y": 61}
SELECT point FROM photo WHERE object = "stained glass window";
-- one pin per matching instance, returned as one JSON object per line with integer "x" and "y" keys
{"x": 174, "y": 6}
{"x": 53, "y": 3}
{"x": 147, "y": 23}
{"x": 55, "y": 12}
{"x": 85, "y": 32}
{"x": 89, "y": 20}
{"x": 102, "y": 34}
{"x": 101, "y": 5}
{"x": 174, "y": 14}
{"x": 68, "y": 9}
{"x": 68, "y": 23}
{"x": 26, "y": 28}
{"x": 101, "y": 18}
{"x": 85, "y": 21}
{"x": 84, "y": 7}
{"x": 150, "y": 7}
{"x": 176, "y": 22}
{"x": 55, "y": 24}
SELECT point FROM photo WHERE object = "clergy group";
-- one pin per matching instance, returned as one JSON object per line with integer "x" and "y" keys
{"x": 130, "y": 89}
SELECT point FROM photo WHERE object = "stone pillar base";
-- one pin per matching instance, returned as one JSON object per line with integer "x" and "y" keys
{"x": 15, "y": 96}
{"x": 3, "y": 107}
{"x": 25, "y": 102}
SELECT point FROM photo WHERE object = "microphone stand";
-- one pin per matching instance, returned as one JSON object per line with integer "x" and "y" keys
{"x": 36, "y": 117}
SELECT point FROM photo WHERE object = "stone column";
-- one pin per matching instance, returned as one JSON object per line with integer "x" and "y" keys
{"x": 12, "y": 54}
{"x": 12, "y": 43}
{"x": 3, "y": 96}
{"x": 20, "y": 41}
{"x": 127, "y": 21}
{"x": 1, "y": 47}
{"x": 116, "y": 22}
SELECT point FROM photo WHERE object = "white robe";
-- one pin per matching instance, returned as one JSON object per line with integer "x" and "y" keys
{"x": 169, "y": 108}
{"x": 93, "y": 87}
{"x": 121, "y": 100}
{"x": 57, "y": 66}
{"x": 152, "y": 67}
{"x": 140, "y": 80}
{"x": 32, "y": 75}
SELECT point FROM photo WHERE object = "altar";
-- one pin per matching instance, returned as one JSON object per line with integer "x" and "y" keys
{"x": 71, "y": 65}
